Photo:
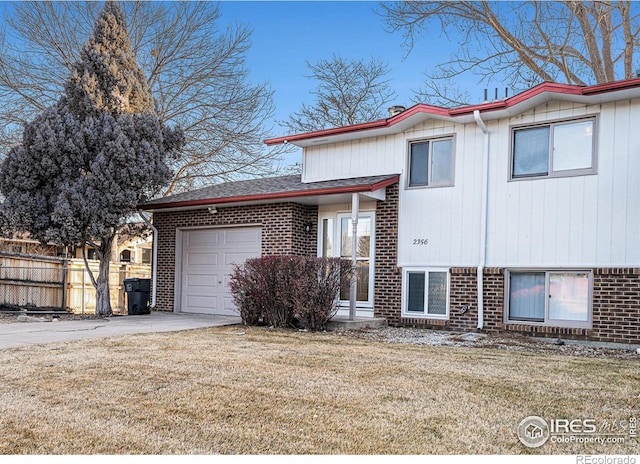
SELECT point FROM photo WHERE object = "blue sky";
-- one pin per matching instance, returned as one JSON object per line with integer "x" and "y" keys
{"x": 287, "y": 34}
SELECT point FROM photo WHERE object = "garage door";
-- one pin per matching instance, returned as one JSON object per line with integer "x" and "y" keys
{"x": 208, "y": 256}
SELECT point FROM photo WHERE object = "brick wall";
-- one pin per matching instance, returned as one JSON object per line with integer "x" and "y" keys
{"x": 388, "y": 277}
{"x": 616, "y": 293}
{"x": 463, "y": 304}
{"x": 493, "y": 299}
{"x": 615, "y": 310}
{"x": 616, "y": 305}
{"x": 282, "y": 233}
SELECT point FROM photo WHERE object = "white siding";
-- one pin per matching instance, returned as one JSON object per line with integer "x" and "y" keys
{"x": 581, "y": 221}
{"x": 572, "y": 221}
{"x": 360, "y": 158}
{"x": 448, "y": 217}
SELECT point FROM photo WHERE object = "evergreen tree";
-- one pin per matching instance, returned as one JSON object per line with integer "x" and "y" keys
{"x": 85, "y": 163}
{"x": 107, "y": 78}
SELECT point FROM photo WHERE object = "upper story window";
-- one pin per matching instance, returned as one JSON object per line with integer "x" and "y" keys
{"x": 557, "y": 149}
{"x": 431, "y": 163}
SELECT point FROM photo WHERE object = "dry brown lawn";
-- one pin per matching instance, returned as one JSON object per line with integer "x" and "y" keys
{"x": 258, "y": 391}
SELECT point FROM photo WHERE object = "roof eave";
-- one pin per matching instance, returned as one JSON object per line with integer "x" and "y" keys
{"x": 519, "y": 103}
{"x": 268, "y": 197}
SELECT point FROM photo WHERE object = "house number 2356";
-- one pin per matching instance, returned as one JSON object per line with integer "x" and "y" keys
{"x": 421, "y": 241}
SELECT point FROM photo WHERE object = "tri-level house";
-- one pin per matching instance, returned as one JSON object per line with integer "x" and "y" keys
{"x": 521, "y": 214}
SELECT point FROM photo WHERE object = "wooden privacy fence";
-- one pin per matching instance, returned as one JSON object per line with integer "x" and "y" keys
{"x": 51, "y": 283}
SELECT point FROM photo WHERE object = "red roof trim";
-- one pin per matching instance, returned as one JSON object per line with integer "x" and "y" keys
{"x": 550, "y": 87}
{"x": 277, "y": 195}
{"x": 327, "y": 132}
{"x": 611, "y": 86}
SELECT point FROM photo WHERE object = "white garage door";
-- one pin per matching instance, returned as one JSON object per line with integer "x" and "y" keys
{"x": 208, "y": 256}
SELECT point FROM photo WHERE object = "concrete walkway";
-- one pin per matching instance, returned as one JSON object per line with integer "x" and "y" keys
{"x": 19, "y": 334}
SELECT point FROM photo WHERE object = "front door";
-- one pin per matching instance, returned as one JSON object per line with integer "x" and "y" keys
{"x": 338, "y": 230}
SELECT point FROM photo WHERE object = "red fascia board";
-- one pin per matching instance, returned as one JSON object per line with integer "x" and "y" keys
{"x": 276, "y": 195}
{"x": 490, "y": 106}
{"x": 611, "y": 86}
{"x": 379, "y": 124}
{"x": 327, "y": 132}
{"x": 551, "y": 87}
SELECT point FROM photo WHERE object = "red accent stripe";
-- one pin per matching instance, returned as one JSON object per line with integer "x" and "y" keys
{"x": 276, "y": 195}
{"x": 551, "y": 87}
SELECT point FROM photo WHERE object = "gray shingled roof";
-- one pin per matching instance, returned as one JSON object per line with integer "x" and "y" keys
{"x": 270, "y": 186}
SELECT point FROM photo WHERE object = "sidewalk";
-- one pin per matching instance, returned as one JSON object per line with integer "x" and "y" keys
{"x": 19, "y": 334}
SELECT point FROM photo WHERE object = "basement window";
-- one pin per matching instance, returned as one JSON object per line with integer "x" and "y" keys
{"x": 426, "y": 293}
{"x": 557, "y": 298}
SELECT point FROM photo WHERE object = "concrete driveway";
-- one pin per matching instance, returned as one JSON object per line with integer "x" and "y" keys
{"x": 19, "y": 334}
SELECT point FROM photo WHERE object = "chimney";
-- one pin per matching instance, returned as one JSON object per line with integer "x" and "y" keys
{"x": 396, "y": 110}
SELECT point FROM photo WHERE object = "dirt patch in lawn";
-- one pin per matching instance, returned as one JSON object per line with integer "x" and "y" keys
{"x": 502, "y": 341}
{"x": 237, "y": 390}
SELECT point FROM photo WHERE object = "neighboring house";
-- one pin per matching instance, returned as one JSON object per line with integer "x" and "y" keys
{"x": 520, "y": 215}
{"x": 133, "y": 246}
{"x": 22, "y": 243}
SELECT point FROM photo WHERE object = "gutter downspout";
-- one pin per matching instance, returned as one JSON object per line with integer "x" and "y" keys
{"x": 484, "y": 213}
{"x": 154, "y": 259}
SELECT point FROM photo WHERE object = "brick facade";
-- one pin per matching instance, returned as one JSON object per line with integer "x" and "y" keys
{"x": 616, "y": 292}
{"x": 616, "y": 305}
{"x": 283, "y": 232}
{"x": 388, "y": 277}
{"x": 463, "y": 304}
{"x": 615, "y": 308}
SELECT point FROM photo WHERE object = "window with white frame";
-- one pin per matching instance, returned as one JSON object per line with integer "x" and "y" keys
{"x": 557, "y": 149}
{"x": 431, "y": 163}
{"x": 560, "y": 298}
{"x": 426, "y": 293}
{"x": 335, "y": 239}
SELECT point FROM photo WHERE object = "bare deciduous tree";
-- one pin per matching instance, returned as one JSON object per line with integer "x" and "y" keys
{"x": 196, "y": 72}
{"x": 348, "y": 92}
{"x": 523, "y": 43}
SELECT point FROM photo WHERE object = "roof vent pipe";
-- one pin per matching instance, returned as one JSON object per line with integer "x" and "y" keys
{"x": 506, "y": 94}
{"x": 396, "y": 110}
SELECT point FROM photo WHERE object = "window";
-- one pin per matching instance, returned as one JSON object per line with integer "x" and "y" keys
{"x": 431, "y": 163}
{"x": 560, "y": 298}
{"x": 564, "y": 148}
{"x": 426, "y": 294}
{"x": 335, "y": 240}
{"x": 146, "y": 256}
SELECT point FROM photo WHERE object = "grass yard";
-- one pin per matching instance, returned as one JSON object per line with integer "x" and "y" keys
{"x": 238, "y": 390}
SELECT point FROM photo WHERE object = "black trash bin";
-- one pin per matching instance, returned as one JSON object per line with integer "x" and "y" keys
{"x": 137, "y": 295}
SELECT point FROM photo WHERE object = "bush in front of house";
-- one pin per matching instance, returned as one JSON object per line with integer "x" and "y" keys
{"x": 317, "y": 288}
{"x": 260, "y": 291}
{"x": 281, "y": 290}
